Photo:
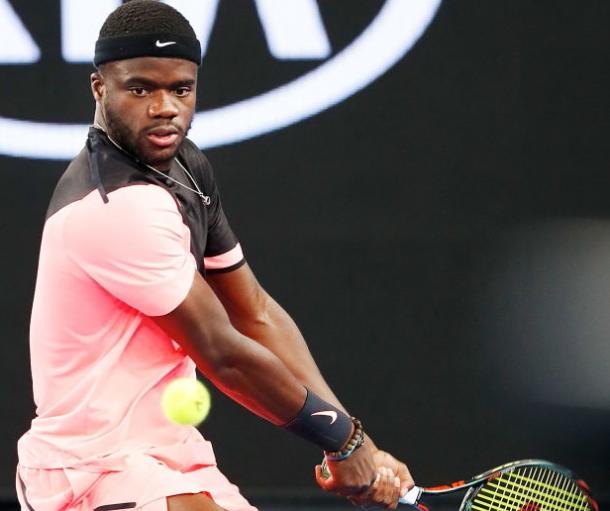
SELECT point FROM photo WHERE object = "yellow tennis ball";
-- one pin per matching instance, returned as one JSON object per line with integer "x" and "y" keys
{"x": 186, "y": 401}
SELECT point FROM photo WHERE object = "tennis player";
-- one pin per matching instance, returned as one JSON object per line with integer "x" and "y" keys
{"x": 140, "y": 281}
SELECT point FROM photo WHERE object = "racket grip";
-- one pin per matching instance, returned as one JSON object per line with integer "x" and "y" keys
{"x": 411, "y": 497}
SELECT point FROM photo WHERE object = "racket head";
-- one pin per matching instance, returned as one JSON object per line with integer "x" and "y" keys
{"x": 529, "y": 485}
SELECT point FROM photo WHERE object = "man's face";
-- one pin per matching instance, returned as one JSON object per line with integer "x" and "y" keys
{"x": 148, "y": 105}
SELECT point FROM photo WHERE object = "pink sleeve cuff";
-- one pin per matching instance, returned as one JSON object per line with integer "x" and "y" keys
{"x": 226, "y": 260}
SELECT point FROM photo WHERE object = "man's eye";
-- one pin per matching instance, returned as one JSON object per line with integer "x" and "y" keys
{"x": 182, "y": 92}
{"x": 138, "y": 91}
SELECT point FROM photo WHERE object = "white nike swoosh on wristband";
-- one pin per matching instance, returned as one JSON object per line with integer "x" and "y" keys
{"x": 330, "y": 413}
{"x": 159, "y": 44}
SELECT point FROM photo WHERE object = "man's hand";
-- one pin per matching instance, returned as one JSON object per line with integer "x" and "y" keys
{"x": 399, "y": 469}
{"x": 350, "y": 477}
{"x": 392, "y": 480}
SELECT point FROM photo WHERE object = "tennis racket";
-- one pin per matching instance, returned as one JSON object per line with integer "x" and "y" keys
{"x": 525, "y": 485}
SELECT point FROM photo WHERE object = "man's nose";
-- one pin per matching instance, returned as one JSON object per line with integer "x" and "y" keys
{"x": 163, "y": 104}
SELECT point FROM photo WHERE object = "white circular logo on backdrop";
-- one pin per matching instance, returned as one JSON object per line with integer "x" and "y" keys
{"x": 396, "y": 28}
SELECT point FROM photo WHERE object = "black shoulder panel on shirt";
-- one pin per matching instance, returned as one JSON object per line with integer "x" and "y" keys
{"x": 73, "y": 185}
{"x": 104, "y": 166}
{"x": 220, "y": 236}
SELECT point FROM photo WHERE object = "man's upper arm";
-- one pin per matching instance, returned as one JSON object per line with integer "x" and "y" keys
{"x": 241, "y": 294}
{"x": 235, "y": 363}
{"x": 200, "y": 324}
{"x": 222, "y": 249}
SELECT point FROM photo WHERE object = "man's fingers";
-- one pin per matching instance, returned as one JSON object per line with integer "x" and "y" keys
{"x": 396, "y": 493}
{"x": 325, "y": 481}
{"x": 376, "y": 481}
{"x": 383, "y": 492}
{"x": 328, "y": 482}
{"x": 406, "y": 480}
{"x": 392, "y": 491}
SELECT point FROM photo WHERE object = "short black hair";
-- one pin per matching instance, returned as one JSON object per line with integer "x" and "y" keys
{"x": 145, "y": 17}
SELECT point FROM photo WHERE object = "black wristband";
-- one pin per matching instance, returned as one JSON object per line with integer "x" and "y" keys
{"x": 321, "y": 423}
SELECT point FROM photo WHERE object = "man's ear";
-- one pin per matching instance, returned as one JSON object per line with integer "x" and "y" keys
{"x": 98, "y": 87}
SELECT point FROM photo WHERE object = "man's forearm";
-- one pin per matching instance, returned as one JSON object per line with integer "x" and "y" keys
{"x": 255, "y": 314}
{"x": 278, "y": 333}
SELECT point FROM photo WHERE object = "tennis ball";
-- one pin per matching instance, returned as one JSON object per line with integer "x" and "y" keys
{"x": 186, "y": 401}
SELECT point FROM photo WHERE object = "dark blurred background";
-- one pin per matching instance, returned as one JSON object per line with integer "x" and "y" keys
{"x": 442, "y": 237}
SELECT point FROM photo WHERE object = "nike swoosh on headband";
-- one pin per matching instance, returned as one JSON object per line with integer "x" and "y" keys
{"x": 159, "y": 44}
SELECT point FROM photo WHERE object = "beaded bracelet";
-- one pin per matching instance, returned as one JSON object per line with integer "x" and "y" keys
{"x": 355, "y": 441}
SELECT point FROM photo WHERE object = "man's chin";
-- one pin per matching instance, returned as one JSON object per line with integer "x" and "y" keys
{"x": 158, "y": 158}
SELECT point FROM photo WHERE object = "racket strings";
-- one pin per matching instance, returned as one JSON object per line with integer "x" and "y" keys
{"x": 530, "y": 489}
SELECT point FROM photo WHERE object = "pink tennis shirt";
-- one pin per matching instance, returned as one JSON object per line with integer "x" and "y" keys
{"x": 117, "y": 248}
{"x": 99, "y": 363}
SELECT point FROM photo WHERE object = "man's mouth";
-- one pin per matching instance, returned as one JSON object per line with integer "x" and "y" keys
{"x": 163, "y": 137}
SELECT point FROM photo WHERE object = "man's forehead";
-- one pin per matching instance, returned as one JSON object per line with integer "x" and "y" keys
{"x": 153, "y": 68}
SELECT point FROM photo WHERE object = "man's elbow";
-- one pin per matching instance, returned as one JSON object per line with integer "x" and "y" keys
{"x": 257, "y": 317}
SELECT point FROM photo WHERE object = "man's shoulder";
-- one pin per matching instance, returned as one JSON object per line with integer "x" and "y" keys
{"x": 73, "y": 184}
{"x": 133, "y": 213}
{"x": 77, "y": 186}
{"x": 195, "y": 159}
{"x": 189, "y": 147}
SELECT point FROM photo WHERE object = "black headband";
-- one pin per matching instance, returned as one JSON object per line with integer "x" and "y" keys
{"x": 147, "y": 45}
